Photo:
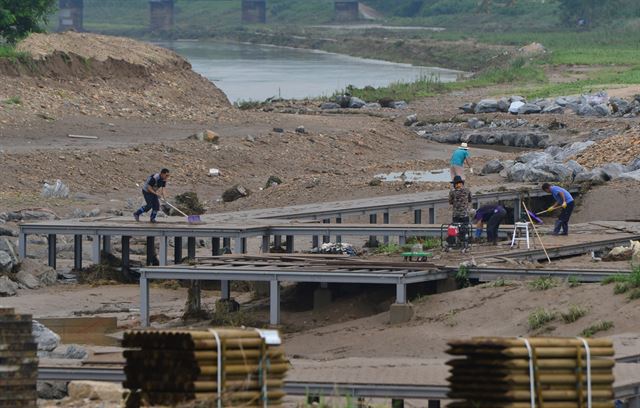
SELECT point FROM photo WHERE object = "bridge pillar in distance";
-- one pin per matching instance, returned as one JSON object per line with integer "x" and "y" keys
{"x": 254, "y": 11}
{"x": 161, "y": 15}
{"x": 70, "y": 15}
{"x": 346, "y": 10}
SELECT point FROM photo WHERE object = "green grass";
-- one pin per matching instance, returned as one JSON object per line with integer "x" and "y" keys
{"x": 9, "y": 52}
{"x": 596, "y": 327}
{"x": 543, "y": 283}
{"x": 626, "y": 283}
{"x": 388, "y": 249}
{"x": 573, "y": 282}
{"x": 574, "y": 313}
{"x": 462, "y": 277}
{"x": 498, "y": 283}
{"x": 14, "y": 100}
{"x": 539, "y": 318}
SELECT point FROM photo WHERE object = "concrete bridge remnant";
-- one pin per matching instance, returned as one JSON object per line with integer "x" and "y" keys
{"x": 70, "y": 15}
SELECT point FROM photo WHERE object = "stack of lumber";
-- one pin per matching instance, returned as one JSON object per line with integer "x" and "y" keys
{"x": 18, "y": 361}
{"x": 169, "y": 367}
{"x": 502, "y": 372}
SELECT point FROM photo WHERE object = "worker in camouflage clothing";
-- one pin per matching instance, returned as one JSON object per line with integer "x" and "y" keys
{"x": 460, "y": 199}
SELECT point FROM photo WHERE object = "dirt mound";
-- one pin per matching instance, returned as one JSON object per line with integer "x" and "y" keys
{"x": 102, "y": 76}
{"x": 100, "y": 48}
{"x": 621, "y": 149}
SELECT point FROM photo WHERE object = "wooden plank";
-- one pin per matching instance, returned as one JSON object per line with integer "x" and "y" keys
{"x": 84, "y": 330}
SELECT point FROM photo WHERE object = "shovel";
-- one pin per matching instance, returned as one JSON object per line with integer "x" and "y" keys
{"x": 191, "y": 219}
{"x": 535, "y": 217}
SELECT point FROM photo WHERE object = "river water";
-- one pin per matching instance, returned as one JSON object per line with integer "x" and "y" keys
{"x": 257, "y": 72}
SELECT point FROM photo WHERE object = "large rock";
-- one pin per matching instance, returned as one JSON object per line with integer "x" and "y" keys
{"x": 602, "y": 109}
{"x": 517, "y": 172}
{"x": 630, "y": 176}
{"x": 533, "y": 174}
{"x": 492, "y": 167}
{"x": 9, "y": 246}
{"x": 529, "y": 108}
{"x": 586, "y": 110}
{"x": 553, "y": 109}
{"x": 614, "y": 170}
{"x": 234, "y": 193}
{"x": 575, "y": 167}
{"x": 503, "y": 105}
{"x": 7, "y": 286}
{"x": 596, "y": 176}
{"x": 34, "y": 215}
{"x": 517, "y": 98}
{"x": 6, "y": 262}
{"x": 52, "y": 390}
{"x": 468, "y": 107}
{"x": 356, "y": 103}
{"x": 96, "y": 391}
{"x": 534, "y": 157}
{"x": 27, "y": 280}
{"x": 620, "y": 106}
{"x": 372, "y": 105}
{"x": 487, "y": 106}
{"x": 475, "y": 123}
{"x": 398, "y": 105}
{"x": 8, "y": 232}
{"x": 343, "y": 100}
{"x": 411, "y": 119}
{"x": 634, "y": 165}
{"x": 47, "y": 340}
{"x": 515, "y": 106}
{"x": 572, "y": 150}
{"x": 329, "y": 105}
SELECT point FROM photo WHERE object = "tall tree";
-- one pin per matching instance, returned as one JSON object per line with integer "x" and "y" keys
{"x": 18, "y": 18}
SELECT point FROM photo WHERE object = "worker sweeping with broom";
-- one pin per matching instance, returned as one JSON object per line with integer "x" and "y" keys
{"x": 152, "y": 190}
{"x": 565, "y": 201}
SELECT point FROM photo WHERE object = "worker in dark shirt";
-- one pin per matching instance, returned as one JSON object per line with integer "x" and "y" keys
{"x": 153, "y": 189}
{"x": 492, "y": 215}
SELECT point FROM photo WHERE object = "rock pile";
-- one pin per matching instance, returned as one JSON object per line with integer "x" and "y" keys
{"x": 557, "y": 164}
{"x": 353, "y": 102}
{"x": 599, "y": 104}
{"x": 623, "y": 149}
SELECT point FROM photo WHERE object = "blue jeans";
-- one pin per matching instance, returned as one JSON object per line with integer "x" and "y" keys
{"x": 563, "y": 219}
{"x": 152, "y": 203}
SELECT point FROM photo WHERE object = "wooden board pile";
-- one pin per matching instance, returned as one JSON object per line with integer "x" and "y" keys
{"x": 18, "y": 361}
{"x": 545, "y": 372}
{"x": 169, "y": 367}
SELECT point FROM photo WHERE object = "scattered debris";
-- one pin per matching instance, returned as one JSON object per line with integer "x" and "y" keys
{"x": 206, "y": 136}
{"x": 335, "y": 248}
{"x": 234, "y": 193}
{"x": 57, "y": 190}
{"x": 273, "y": 181}
{"x": 82, "y": 137}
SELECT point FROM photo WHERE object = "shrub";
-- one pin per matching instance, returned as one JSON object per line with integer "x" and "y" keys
{"x": 573, "y": 314}
{"x": 543, "y": 283}
{"x": 596, "y": 327}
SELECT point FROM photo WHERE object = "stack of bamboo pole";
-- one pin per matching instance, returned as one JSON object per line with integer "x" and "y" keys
{"x": 169, "y": 367}
{"x": 18, "y": 361}
{"x": 497, "y": 373}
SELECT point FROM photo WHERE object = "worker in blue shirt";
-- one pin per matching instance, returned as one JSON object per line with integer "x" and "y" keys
{"x": 459, "y": 157}
{"x": 152, "y": 190}
{"x": 565, "y": 201}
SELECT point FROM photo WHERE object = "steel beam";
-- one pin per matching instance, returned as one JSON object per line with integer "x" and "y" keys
{"x": 326, "y": 238}
{"x": 51, "y": 244}
{"x": 22, "y": 245}
{"x": 266, "y": 240}
{"x": 339, "y": 221}
{"x": 290, "y": 244}
{"x": 106, "y": 244}
{"x": 417, "y": 216}
{"x": 432, "y": 215}
{"x": 191, "y": 247}
{"x": 401, "y": 293}
{"x": 385, "y": 220}
{"x": 274, "y": 302}
{"x": 225, "y": 289}
{"x": 77, "y": 252}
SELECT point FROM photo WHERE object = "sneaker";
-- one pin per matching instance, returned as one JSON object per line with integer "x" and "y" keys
{"x": 153, "y": 221}
{"x": 136, "y": 216}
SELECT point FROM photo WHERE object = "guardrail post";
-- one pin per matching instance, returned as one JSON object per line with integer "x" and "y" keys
{"x": 401, "y": 293}
{"x": 274, "y": 302}
{"x": 339, "y": 221}
{"x": 326, "y": 238}
{"x": 385, "y": 220}
{"x": 417, "y": 216}
{"x": 163, "y": 251}
{"x": 432, "y": 215}
{"x": 433, "y": 404}
{"x": 265, "y": 243}
{"x": 95, "y": 249}
{"x": 277, "y": 241}
{"x": 126, "y": 240}
{"x": 315, "y": 241}
{"x": 22, "y": 245}
{"x": 51, "y": 241}
{"x": 373, "y": 240}
{"x": 144, "y": 300}
{"x": 290, "y": 244}
{"x": 226, "y": 244}
{"x": 77, "y": 252}
{"x": 177, "y": 250}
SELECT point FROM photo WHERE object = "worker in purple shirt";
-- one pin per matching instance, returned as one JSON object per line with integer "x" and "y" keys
{"x": 493, "y": 215}
{"x": 565, "y": 201}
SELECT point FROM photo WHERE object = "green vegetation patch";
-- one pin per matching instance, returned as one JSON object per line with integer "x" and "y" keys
{"x": 539, "y": 318}
{"x": 543, "y": 283}
{"x": 574, "y": 313}
{"x": 626, "y": 283}
{"x": 597, "y": 327}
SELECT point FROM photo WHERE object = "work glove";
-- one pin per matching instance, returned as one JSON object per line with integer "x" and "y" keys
{"x": 551, "y": 209}
{"x": 564, "y": 205}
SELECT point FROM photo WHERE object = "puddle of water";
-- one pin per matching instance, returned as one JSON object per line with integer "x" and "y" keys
{"x": 442, "y": 176}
